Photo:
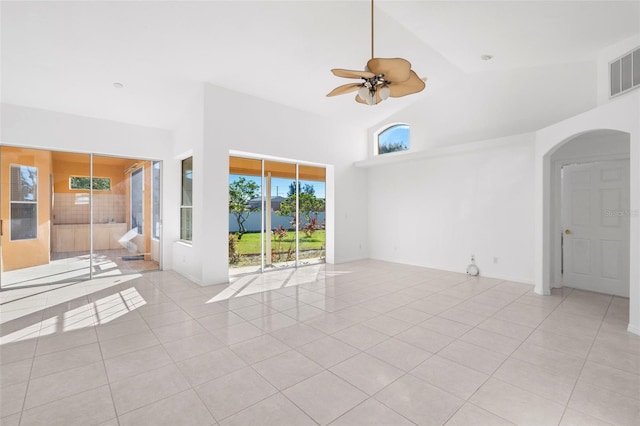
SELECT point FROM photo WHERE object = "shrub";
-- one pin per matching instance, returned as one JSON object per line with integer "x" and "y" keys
{"x": 311, "y": 226}
{"x": 234, "y": 256}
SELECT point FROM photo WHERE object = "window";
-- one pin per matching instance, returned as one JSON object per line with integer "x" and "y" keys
{"x": 186, "y": 205}
{"x": 137, "y": 187}
{"x": 155, "y": 181}
{"x": 24, "y": 202}
{"x": 82, "y": 182}
{"x": 393, "y": 139}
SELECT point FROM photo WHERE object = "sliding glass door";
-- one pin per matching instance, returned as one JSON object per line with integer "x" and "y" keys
{"x": 311, "y": 214}
{"x": 245, "y": 215}
{"x": 276, "y": 215}
{"x": 126, "y": 231}
{"x": 67, "y": 217}
{"x": 280, "y": 215}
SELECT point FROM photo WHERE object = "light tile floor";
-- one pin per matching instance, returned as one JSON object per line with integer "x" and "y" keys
{"x": 68, "y": 268}
{"x": 356, "y": 344}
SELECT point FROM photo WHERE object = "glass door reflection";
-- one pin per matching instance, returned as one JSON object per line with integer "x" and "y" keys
{"x": 126, "y": 231}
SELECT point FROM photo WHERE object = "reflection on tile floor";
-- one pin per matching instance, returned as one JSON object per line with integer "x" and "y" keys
{"x": 71, "y": 267}
{"x": 362, "y": 343}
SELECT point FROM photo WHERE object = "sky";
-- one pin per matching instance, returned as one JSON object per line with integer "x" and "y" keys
{"x": 280, "y": 186}
{"x": 395, "y": 134}
{"x": 26, "y": 174}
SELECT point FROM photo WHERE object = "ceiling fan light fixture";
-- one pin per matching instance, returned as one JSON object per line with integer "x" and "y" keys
{"x": 363, "y": 92}
{"x": 371, "y": 98}
{"x": 385, "y": 91}
{"x": 381, "y": 79}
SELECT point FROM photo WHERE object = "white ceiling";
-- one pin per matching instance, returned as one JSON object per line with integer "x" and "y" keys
{"x": 65, "y": 56}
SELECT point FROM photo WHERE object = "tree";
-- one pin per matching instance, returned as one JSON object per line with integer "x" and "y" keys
{"x": 81, "y": 182}
{"x": 292, "y": 189}
{"x": 307, "y": 189}
{"x": 391, "y": 147}
{"x": 241, "y": 191}
{"x": 309, "y": 203}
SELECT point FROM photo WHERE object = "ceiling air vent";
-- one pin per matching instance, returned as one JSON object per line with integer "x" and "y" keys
{"x": 624, "y": 73}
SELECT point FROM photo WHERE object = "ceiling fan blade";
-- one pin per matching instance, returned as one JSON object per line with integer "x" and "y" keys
{"x": 413, "y": 84}
{"x": 345, "y": 88}
{"x": 352, "y": 73}
{"x": 394, "y": 70}
{"x": 362, "y": 101}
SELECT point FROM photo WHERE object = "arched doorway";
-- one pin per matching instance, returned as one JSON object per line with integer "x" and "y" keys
{"x": 622, "y": 116}
{"x": 589, "y": 212}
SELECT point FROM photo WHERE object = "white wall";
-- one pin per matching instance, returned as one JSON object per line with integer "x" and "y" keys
{"x": 593, "y": 145}
{"x": 620, "y": 114}
{"x": 490, "y": 105}
{"x": 38, "y": 128}
{"x": 437, "y": 211}
{"x": 42, "y": 129}
{"x": 236, "y": 122}
{"x": 188, "y": 141}
{"x": 607, "y": 55}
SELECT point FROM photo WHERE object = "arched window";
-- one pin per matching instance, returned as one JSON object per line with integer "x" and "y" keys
{"x": 393, "y": 139}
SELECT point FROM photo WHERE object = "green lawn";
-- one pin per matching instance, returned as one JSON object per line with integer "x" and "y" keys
{"x": 250, "y": 243}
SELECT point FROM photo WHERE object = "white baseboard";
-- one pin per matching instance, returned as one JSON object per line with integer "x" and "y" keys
{"x": 633, "y": 329}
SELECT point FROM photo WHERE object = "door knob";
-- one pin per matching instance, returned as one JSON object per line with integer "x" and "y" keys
{"x": 568, "y": 231}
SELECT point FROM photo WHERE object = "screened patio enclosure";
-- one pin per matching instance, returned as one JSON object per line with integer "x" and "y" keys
{"x": 69, "y": 217}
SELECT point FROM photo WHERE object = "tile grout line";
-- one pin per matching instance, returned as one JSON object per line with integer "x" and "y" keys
{"x": 160, "y": 343}
{"x": 490, "y": 376}
{"x": 586, "y": 358}
{"x": 173, "y": 362}
{"x": 35, "y": 351}
{"x": 104, "y": 366}
{"x": 57, "y": 372}
{"x": 467, "y": 400}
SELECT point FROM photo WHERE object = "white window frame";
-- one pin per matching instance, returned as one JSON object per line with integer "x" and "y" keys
{"x": 376, "y": 139}
{"x": 11, "y": 202}
{"x": 153, "y": 208}
{"x": 185, "y": 206}
{"x": 141, "y": 171}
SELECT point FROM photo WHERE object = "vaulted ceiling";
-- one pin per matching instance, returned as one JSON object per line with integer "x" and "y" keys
{"x": 66, "y": 56}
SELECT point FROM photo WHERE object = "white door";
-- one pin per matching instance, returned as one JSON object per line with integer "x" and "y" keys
{"x": 595, "y": 220}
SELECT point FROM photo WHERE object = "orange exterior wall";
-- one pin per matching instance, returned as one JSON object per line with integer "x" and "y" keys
{"x": 26, "y": 253}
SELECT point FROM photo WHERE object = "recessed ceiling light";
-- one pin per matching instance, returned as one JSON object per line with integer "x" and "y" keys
{"x": 486, "y": 57}
{"x": 118, "y": 85}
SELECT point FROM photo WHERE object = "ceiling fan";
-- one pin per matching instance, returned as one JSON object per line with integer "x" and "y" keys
{"x": 381, "y": 79}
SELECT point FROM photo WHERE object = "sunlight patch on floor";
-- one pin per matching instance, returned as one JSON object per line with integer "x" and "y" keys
{"x": 100, "y": 311}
